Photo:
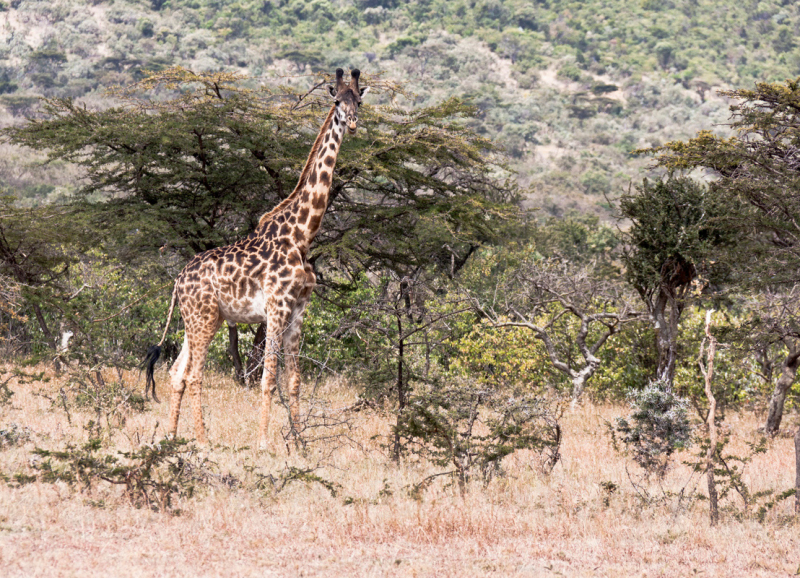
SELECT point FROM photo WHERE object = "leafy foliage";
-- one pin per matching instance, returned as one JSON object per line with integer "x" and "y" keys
{"x": 677, "y": 230}
{"x": 512, "y": 360}
{"x": 757, "y": 178}
{"x": 570, "y": 308}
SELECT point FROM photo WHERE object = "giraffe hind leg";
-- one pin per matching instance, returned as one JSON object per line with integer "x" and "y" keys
{"x": 178, "y": 383}
{"x": 291, "y": 350}
{"x": 194, "y": 378}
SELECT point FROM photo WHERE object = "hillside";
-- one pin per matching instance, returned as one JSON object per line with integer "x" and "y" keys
{"x": 568, "y": 88}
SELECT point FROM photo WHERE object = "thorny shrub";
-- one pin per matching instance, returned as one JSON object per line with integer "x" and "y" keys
{"x": 14, "y": 434}
{"x": 111, "y": 403}
{"x": 5, "y": 392}
{"x": 472, "y": 429}
{"x": 729, "y": 477}
{"x": 152, "y": 476}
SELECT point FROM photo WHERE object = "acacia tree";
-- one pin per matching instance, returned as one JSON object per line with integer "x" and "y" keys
{"x": 187, "y": 162}
{"x": 757, "y": 177}
{"x": 673, "y": 252}
{"x": 758, "y": 181}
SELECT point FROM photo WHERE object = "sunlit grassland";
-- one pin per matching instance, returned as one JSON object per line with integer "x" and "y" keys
{"x": 583, "y": 519}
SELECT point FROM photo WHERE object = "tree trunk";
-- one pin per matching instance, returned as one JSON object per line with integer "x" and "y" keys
{"x": 666, "y": 330}
{"x": 712, "y": 487}
{"x": 788, "y": 373}
{"x": 797, "y": 471}
{"x": 256, "y": 356}
{"x": 233, "y": 350}
{"x": 580, "y": 378}
{"x": 401, "y": 392}
{"x": 48, "y": 335}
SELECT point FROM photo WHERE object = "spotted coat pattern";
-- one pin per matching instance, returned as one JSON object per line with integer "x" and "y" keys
{"x": 264, "y": 278}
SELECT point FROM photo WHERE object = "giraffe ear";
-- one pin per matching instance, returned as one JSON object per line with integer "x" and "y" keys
{"x": 332, "y": 91}
{"x": 364, "y": 90}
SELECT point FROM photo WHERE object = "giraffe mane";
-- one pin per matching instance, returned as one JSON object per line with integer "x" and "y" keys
{"x": 303, "y": 175}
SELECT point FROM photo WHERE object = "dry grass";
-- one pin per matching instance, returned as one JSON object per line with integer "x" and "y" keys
{"x": 525, "y": 524}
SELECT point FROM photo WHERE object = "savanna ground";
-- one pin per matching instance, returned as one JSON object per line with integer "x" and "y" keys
{"x": 585, "y": 518}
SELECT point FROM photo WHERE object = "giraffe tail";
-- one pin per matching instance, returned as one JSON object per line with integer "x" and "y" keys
{"x": 154, "y": 352}
{"x": 149, "y": 364}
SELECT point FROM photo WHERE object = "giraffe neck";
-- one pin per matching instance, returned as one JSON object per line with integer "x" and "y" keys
{"x": 309, "y": 200}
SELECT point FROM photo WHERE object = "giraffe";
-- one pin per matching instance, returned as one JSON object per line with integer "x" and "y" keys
{"x": 264, "y": 278}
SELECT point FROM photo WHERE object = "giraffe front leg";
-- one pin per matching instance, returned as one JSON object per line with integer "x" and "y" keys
{"x": 291, "y": 351}
{"x": 291, "y": 348}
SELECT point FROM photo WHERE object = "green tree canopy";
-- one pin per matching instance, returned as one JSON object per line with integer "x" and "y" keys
{"x": 757, "y": 177}
{"x": 674, "y": 244}
{"x": 191, "y": 161}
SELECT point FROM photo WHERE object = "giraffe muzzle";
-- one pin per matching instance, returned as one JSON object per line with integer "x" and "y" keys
{"x": 351, "y": 127}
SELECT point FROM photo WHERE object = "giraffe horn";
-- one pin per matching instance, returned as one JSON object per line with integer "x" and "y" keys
{"x": 340, "y": 85}
{"x": 354, "y": 74}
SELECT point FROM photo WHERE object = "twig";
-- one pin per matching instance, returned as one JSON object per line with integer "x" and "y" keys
{"x": 303, "y": 96}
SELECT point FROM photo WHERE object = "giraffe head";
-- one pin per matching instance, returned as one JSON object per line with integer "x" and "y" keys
{"x": 348, "y": 98}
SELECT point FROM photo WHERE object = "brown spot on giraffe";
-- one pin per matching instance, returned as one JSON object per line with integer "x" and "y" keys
{"x": 230, "y": 284}
{"x": 295, "y": 258}
{"x": 319, "y": 202}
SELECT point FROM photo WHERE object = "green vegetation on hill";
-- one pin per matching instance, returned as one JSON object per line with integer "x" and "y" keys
{"x": 568, "y": 88}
